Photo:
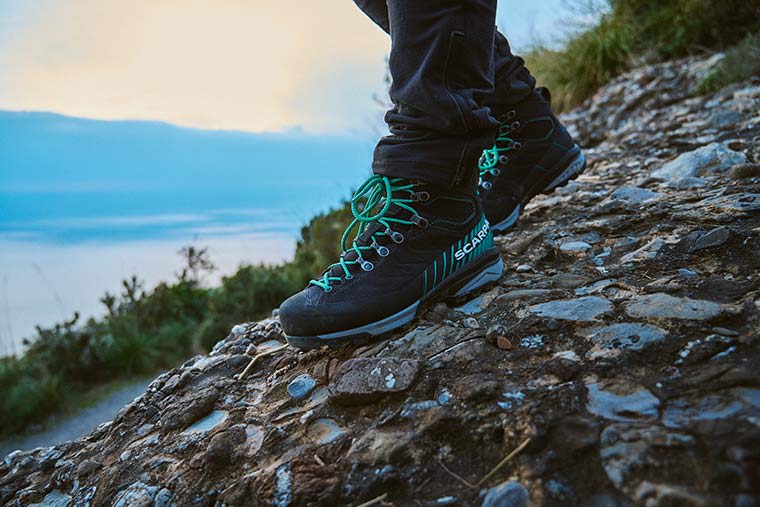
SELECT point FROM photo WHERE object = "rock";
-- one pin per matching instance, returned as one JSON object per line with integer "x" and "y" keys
{"x": 506, "y": 494}
{"x": 690, "y": 411}
{"x": 494, "y": 332}
{"x": 325, "y": 431}
{"x": 239, "y": 329}
{"x": 711, "y": 239}
{"x": 503, "y": 343}
{"x": 471, "y": 323}
{"x": 595, "y": 287}
{"x": 54, "y": 499}
{"x": 477, "y": 304}
{"x": 633, "y": 195}
{"x": 627, "y": 449}
{"x": 573, "y": 434}
{"x": 223, "y": 447}
{"x": 188, "y": 410}
{"x": 666, "y": 495}
{"x": 610, "y": 341}
{"x": 713, "y": 158}
{"x": 645, "y": 253}
{"x": 477, "y": 387}
{"x": 301, "y": 386}
{"x": 568, "y": 280}
{"x": 207, "y": 423}
{"x": 619, "y": 400}
{"x": 664, "y": 306}
{"x": 741, "y": 203}
{"x": 380, "y": 446}
{"x": 579, "y": 310}
{"x": 136, "y": 495}
{"x": 518, "y": 294}
{"x": 745, "y": 171}
{"x": 163, "y": 498}
{"x": 362, "y": 380}
{"x": 575, "y": 246}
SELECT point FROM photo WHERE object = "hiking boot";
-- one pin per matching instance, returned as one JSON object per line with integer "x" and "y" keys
{"x": 414, "y": 243}
{"x": 533, "y": 154}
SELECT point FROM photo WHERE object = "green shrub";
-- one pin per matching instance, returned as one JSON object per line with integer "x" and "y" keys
{"x": 739, "y": 63}
{"x": 144, "y": 331}
{"x": 635, "y": 31}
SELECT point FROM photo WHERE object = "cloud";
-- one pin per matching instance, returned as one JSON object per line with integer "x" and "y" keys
{"x": 231, "y": 64}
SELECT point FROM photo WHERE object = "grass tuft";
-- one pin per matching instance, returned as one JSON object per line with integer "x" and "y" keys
{"x": 632, "y": 32}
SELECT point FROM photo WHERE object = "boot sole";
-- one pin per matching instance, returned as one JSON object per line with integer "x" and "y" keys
{"x": 568, "y": 171}
{"x": 485, "y": 270}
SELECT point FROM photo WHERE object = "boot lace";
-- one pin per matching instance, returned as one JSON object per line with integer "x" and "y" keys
{"x": 379, "y": 194}
{"x": 491, "y": 158}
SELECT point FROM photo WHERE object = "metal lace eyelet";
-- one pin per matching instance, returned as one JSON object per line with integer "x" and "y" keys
{"x": 381, "y": 250}
{"x": 515, "y": 125}
{"x": 328, "y": 288}
{"x": 397, "y": 237}
{"x": 421, "y": 196}
{"x": 487, "y": 185}
{"x": 511, "y": 114}
{"x": 366, "y": 265}
{"x": 517, "y": 145}
{"x": 503, "y": 159}
{"x": 420, "y": 221}
{"x": 496, "y": 171}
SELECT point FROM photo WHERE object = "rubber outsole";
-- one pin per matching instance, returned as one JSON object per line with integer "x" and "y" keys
{"x": 569, "y": 172}
{"x": 487, "y": 270}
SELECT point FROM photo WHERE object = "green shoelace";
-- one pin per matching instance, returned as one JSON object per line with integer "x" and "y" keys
{"x": 380, "y": 193}
{"x": 492, "y": 157}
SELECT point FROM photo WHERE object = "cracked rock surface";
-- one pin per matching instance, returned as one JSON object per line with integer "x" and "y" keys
{"x": 619, "y": 354}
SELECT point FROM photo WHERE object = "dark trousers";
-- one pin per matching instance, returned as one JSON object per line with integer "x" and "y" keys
{"x": 452, "y": 73}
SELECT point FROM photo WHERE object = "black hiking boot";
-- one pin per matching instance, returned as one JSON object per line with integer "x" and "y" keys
{"x": 533, "y": 154}
{"x": 415, "y": 243}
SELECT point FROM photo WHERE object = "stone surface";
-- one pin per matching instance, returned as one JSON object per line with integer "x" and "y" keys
{"x": 710, "y": 239}
{"x": 575, "y": 246}
{"x": 364, "y": 379}
{"x": 633, "y": 195}
{"x": 301, "y": 386}
{"x": 506, "y": 494}
{"x": 581, "y": 309}
{"x": 621, "y": 400}
{"x": 715, "y": 157}
{"x": 610, "y": 341}
{"x": 665, "y": 306}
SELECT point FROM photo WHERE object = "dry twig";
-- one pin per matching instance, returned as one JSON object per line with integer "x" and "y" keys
{"x": 256, "y": 358}
{"x": 457, "y": 476}
{"x": 503, "y": 462}
{"x": 374, "y": 501}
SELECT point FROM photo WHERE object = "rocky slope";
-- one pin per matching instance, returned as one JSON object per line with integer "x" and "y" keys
{"x": 615, "y": 364}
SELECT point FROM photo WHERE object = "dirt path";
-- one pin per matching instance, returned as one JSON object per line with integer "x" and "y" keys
{"x": 79, "y": 424}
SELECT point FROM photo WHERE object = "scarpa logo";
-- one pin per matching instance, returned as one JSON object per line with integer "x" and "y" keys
{"x": 470, "y": 245}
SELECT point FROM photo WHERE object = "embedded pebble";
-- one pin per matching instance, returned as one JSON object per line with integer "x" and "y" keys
{"x": 301, "y": 386}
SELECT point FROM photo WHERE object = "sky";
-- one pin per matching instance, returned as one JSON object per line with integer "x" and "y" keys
{"x": 260, "y": 66}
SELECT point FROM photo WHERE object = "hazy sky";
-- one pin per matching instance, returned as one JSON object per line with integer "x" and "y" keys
{"x": 258, "y": 65}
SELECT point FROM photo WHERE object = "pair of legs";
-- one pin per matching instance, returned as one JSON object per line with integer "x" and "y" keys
{"x": 452, "y": 75}
{"x": 424, "y": 222}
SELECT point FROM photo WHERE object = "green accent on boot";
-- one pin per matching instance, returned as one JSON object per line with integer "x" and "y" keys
{"x": 464, "y": 251}
{"x": 379, "y": 193}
